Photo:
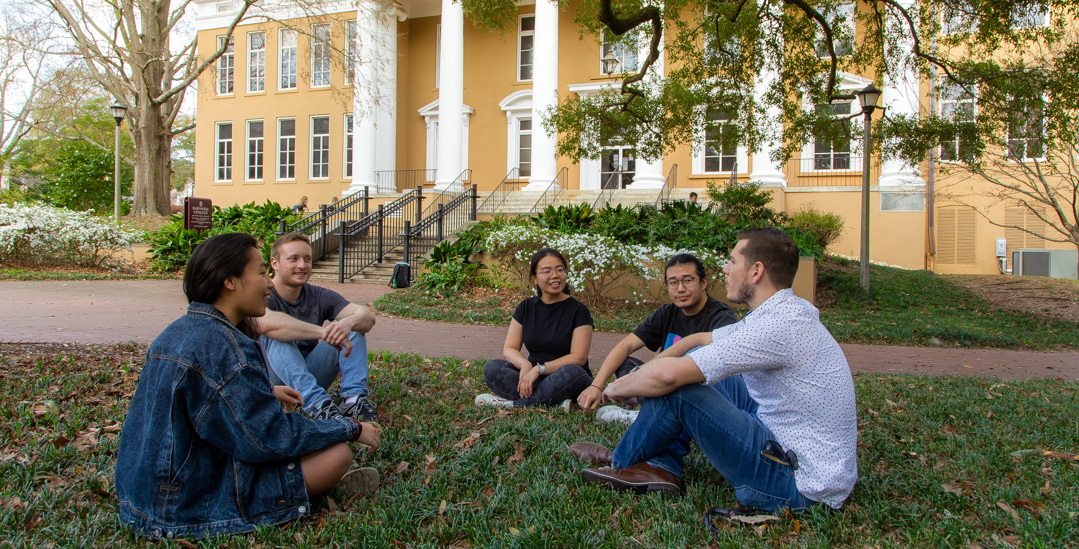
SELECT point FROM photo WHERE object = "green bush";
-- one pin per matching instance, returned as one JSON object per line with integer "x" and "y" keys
{"x": 626, "y": 224}
{"x": 171, "y": 245}
{"x": 566, "y": 219}
{"x": 825, "y": 226}
{"x": 745, "y": 204}
{"x": 83, "y": 179}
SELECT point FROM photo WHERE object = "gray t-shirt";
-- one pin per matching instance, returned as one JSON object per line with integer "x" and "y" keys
{"x": 315, "y": 305}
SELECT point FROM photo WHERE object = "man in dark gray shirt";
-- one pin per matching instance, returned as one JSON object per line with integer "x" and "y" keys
{"x": 312, "y": 334}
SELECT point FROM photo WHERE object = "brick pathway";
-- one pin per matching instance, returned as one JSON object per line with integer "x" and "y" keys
{"x": 119, "y": 311}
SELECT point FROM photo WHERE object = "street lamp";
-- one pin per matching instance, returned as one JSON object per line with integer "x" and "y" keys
{"x": 610, "y": 63}
{"x": 868, "y": 97}
{"x": 118, "y": 111}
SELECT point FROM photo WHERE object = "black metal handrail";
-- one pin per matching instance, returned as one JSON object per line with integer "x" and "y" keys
{"x": 669, "y": 183}
{"x": 388, "y": 181}
{"x": 363, "y": 243}
{"x": 550, "y": 194}
{"x": 607, "y": 189}
{"x": 320, "y": 225}
{"x": 446, "y": 219}
{"x": 512, "y": 182}
{"x": 452, "y": 190}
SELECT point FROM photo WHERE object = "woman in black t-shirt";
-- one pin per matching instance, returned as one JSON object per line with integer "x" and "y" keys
{"x": 557, "y": 329}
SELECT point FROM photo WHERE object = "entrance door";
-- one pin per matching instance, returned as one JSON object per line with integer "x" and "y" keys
{"x": 617, "y": 166}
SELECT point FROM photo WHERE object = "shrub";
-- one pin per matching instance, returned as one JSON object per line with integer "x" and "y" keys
{"x": 83, "y": 178}
{"x": 47, "y": 235}
{"x": 622, "y": 223}
{"x": 825, "y": 226}
{"x": 745, "y": 204}
{"x": 569, "y": 219}
{"x": 171, "y": 245}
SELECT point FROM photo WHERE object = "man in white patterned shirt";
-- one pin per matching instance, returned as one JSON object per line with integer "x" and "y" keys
{"x": 770, "y": 399}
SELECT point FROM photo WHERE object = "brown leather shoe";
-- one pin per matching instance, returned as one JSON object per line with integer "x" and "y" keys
{"x": 640, "y": 478}
{"x": 591, "y": 453}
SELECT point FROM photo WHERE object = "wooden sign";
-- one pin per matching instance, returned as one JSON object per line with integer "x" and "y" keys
{"x": 198, "y": 213}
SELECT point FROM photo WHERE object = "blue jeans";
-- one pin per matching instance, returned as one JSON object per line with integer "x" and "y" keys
{"x": 723, "y": 420}
{"x": 313, "y": 374}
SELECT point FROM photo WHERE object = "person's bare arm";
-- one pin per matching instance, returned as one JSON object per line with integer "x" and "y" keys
{"x": 356, "y": 318}
{"x": 589, "y": 399}
{"x": 687, "y": 344}
{"x": 283, "y": 327}
{"x": 655, "y": 378}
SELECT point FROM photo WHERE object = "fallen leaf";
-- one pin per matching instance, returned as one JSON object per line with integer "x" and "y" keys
{"x": 401, "y": 467}
{"x": 429, "y": 462}
{"x": 442, "y": 507}
{"x": 1060, "y": 455}
{"x": 60, "y": 441}
{"x": 297, "y": 537}
{"x": 514, "y": 532}
{"x": 753, "y": 519}
{"x": 950, "y": 429}
{"x": 964, "y": 487}
{"x": 1008, "y": 509}
{"x": 1035, "y": 507}
{"x": 185, "y": 543}
{"x": 1047, "y": 489}
{"x": 518, "y": 453}
{"x": 331, "y": 504}
{"x": 468, "y": 442}
{"x": 488, "y": 492}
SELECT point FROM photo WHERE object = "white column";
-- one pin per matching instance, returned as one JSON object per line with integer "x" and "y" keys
{"x": 649, "y": 174}
{"x": 544, "y": 94}
{"x": 450, "y": 94}
{"x": 767, "y": 172}
{"x": 365, "y": 101}
{"x": 900, "y": 98}
{"x": 386, "y": 118}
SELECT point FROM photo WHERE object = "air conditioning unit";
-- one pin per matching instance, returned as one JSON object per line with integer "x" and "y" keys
{"x": 1051, "y": 263}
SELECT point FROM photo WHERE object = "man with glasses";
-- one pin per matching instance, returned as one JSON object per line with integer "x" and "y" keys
{"x": 690, "y": 311}
{"x": 770, "y": 399}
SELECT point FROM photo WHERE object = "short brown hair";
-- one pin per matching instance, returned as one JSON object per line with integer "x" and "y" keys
{"x": 776, "y": 250}
{"x": 285, "y": 239}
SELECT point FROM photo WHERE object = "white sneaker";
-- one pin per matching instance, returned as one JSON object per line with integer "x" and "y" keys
{"x": 567, "y": 405}
{"x": 487, "y": 399}
{"x": 612, "y": 413}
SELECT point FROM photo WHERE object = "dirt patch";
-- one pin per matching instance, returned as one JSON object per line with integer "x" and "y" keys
{"x": 1053, "y": 297}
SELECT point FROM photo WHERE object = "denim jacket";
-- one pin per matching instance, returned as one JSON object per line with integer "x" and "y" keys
{"x": 206, "y": 448}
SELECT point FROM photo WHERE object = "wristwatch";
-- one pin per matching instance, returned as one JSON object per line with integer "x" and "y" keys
{"x": 543, "y": 369}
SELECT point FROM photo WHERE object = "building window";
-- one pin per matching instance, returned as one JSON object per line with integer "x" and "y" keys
{"x": 348, "y": 145}
{"x": 286, "y": 148}
{"x": 956, "y": 104}
{"x": 225, "y": 65}
{"x": 287, "y": 55}
{"x": 350, "y": 50}
{"x": 833, "y": 152}
{"x": 955, "y": 235}
{"x": 526, "y": 43}
{"x": 320, "y": 147}
{"x": 957, "y": 18}
{"x": 320, "y": 55}
{"x": 1028, "y": 16}
{"x": 841, "y": 20}
{"x": 720, "y": 145}
{"x": 524, "y": 147}
{"x": 256, "y": 61}
{"x": 1018, "y": 221}
{"x": 255, "y": 150}
{"x": 618, "y": 54}
{"x": 224, "y": 151}
{"x": 1026, "y": 132}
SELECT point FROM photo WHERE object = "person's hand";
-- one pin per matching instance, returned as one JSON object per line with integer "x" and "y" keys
{"x": 287, "y": 396}
{"x": 590, "y": 397}
{"x": 371, "y": 434}
{"x": 333, "y": 333}
{"x": 527, "y": 382}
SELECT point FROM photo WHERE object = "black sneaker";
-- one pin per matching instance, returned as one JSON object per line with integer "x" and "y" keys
{"x": 361, "y": 409}
{"x": 328, "y": 410}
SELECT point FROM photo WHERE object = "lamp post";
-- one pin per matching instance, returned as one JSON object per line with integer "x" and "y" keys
{"x": 118, "y": 111}
{"x": 868, "y": 98}
{"x": 610, "y": 63}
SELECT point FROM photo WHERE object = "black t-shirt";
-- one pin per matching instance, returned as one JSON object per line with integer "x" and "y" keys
{"x": 668, "y": 324}
{"x": 315, "y": 305}
{"x": 547, "y": 329}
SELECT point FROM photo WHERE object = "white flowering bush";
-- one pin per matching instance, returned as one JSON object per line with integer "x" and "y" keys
{"x": 38, "y": 234}
{"x": 597, "y": 264}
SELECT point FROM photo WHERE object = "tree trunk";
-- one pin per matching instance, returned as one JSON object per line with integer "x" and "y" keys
{"x": 152, "y": 165}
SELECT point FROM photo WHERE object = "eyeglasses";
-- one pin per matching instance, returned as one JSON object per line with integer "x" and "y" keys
{"x": 548, "y": 272}
{"x": 686, "y": 281}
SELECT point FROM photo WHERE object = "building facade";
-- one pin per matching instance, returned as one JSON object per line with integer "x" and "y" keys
{"x": 385, "y": 95}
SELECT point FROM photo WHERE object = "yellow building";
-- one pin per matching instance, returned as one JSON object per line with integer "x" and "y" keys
{"x": 357, "y": 97}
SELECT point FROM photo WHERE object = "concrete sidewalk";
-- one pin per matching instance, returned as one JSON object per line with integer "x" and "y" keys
{"x": 138, "y": 310}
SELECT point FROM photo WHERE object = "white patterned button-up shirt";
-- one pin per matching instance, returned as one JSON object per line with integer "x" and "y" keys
{"x": 795, "y": 370}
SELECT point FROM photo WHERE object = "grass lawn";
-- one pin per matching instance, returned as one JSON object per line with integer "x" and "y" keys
{"x": 944, "y": 462}
{"x": 903, "y": 308}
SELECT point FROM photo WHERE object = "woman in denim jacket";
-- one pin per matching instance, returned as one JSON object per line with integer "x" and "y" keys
{"x": 206, "y": 448}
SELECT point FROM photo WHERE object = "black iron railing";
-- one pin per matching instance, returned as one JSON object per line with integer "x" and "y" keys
{"x": 834, "y": 169}
{"x": 389, "y": 181}
{"x": 511, "y": 183}
{"x": 668, "y": 185}
{"x": 446, "y": 219}
{"x": 550, "y": 194}
{"x": 368, "y": 241}
{"x": 452, "y": 190}
{"x": 607, "y": 189}
{"x": 321, "y": 226}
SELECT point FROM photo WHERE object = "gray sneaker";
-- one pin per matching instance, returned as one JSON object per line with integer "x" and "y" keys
{"x": 357, "y": 482}
{"x": 361, "y": 409}
{"x": 328, "y": 410}
{"x": 619, "y": 414}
